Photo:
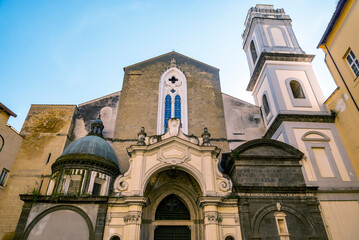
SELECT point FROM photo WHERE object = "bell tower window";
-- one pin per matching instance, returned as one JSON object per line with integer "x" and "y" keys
{"x": 172, "y": 99}
{"x": 296, "y": 89}
{"x": 253, "y": 52}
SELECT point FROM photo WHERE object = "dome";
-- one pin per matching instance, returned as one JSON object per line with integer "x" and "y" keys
{"x": 92, "y": 145}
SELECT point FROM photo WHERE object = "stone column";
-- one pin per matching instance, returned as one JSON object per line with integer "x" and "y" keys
{"x": 211, "y": 217}
{"x": 133, "y": 218}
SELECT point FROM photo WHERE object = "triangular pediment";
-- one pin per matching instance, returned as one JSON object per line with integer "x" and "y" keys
{"x": 167, "y": 57}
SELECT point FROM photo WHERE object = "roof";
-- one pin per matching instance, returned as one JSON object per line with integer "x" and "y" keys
{"x": 333, "y": 21}
{"x": 92, "y": 145}
{"x": 8, "y": 111}
{"x": 169, "y": 53}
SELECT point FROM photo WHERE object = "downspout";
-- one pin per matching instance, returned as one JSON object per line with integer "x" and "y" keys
{"x": 341, "y": 77}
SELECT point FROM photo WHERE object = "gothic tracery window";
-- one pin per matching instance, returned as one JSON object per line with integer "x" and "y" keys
{"x": 172, "y": 102}
{"x": 168, "y": 108}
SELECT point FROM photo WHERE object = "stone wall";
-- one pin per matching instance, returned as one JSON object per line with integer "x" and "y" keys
{"x": 46, "y": 130}
{"x": 138, "y": 105}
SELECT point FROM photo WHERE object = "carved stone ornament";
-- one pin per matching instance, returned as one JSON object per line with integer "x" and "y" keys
{"x": 132, "y": 218}
{"x": 174, "y": 155}
{"x": 174, "y": 129}
{"x": 213, "y": 217}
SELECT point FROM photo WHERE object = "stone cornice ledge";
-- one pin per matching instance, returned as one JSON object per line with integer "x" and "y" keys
{"x": 266, "y": 56}
{"x": 297, "y": 118}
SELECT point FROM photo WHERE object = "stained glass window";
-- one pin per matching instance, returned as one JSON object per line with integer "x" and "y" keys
{"x": 168, "y": 106}
{"x": 172, "y": 208}
{"x": 178, "y": 107}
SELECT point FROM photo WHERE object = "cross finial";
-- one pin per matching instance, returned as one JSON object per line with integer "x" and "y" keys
{"x": 173, "y": 62}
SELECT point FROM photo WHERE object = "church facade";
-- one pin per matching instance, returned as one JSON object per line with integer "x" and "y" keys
{"x": 172, "y": 157}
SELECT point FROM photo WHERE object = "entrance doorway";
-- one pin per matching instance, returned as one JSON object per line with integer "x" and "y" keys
{"x": 172, "y": 233}
{"x": 171, "y": 210}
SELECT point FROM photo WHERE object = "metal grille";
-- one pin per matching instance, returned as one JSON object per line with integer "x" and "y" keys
{"x": 172, "y": 233}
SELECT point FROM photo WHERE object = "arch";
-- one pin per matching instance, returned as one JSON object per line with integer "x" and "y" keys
{"x": 265, "y": 105}
{"x": 178, "y": 107}
{"x": 2, "y": 142}
{"x": 174, "y": 205}
{"x": 262, "y": 212}
{"x": 297, "y": 92}
{"x": 115, "y": 237}
{"x": 229, "y": 237}
{"x": 168, "y": 110}
{"x": 253, "y": 52}
{"x": 278, "y": 36}
{"x": 188, "y": 198}
{"x": 184, "y": 167}
{"x": 58, "y": 208}
{"x": 297, "y": 89}
{"x": 177, "y": 86}
{"x": 315, "y": 136}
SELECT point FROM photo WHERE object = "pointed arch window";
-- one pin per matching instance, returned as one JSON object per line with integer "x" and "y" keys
{"x": 265, "y": 105}
{"x": 296, "y": 89}
{"x": 253, "y": 52}
{"x": 178, "y": 106}
{"x": 172, "y": 99}
{"x": 168, "y": 110}
{"x": 172, "y": 208}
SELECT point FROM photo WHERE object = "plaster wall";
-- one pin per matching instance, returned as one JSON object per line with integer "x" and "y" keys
{"x": 244, "y": 121}
{"x": 262, "y": 88}
{"x": 9, "y": 145}
{"x": 341, "y": 219}
{"x": 46, "y": 130}
{"x": 338, "y": 159}
{"x": 341, "y": 39}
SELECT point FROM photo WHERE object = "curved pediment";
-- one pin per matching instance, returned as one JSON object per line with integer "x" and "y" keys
{"x": 266, "y": 148}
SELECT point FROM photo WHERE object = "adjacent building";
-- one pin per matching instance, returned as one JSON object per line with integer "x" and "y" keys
{"x": 340, "y": 44}
{"x": 10, "y": 141}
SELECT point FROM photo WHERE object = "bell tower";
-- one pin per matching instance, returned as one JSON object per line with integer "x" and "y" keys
{"x": 284, "y": 85}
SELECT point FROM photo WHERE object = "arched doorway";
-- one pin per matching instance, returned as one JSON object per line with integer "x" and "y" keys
{"x": 173, "y": 213}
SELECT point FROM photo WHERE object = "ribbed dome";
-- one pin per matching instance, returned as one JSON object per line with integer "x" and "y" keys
{"x": 93, "y": 145}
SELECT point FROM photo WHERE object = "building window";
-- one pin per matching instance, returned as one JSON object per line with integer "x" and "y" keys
{"x": 115, "y": 238}
{"x": 253, "y": 52}
{"x": 168, "y": 108}
{"x": 96, "y": 191}
{"x": 296, "y": 89}
{"x": 353, "y": 63}
{"x": 178, "y": 107}
{"x": 265, "y": 105}
{"x": 172, "y": 99}
{"x": 172, "y": 208}
{"x": 3, "y": 176}
{"x": 73, "y": 187}
{"x": 229, "y": 238}
{"x": 281, "y": 225}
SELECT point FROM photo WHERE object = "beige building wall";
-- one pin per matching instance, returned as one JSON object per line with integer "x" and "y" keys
{"x": 9, "y": 146}
{"x": 342, "y": 38}
{"x": 46, "y": 131}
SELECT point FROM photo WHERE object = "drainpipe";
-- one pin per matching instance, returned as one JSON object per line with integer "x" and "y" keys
{"x": 342, "y": 77}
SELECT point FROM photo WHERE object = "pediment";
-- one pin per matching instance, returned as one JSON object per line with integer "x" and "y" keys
{"x": 266, "y": 149}
{"x": 167, "y": 57}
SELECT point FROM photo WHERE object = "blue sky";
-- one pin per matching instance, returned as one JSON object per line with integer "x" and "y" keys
{"x": 69, "y": 52}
